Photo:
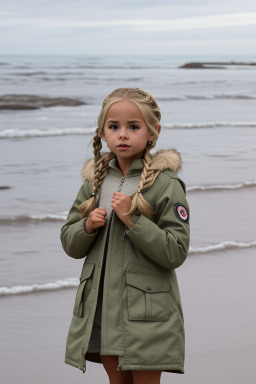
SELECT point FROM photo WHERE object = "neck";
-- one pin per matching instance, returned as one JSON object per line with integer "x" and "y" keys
{"x": 124, "y": 165}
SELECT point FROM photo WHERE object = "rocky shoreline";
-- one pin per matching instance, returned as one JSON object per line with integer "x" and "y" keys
{"x": 27, "y": 102}
{"x": 214, "y": 65}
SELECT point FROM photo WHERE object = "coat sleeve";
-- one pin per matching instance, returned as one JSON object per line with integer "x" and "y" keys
{"x": 75, "y": 241}
{"x": 166, "y": 242}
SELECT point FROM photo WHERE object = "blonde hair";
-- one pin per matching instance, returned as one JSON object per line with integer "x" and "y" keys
{"x": 152, "y": 115}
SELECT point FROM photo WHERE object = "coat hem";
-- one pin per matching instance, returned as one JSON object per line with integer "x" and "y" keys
{"x": 175, "y": 368}
{"x": 73, "y": 363}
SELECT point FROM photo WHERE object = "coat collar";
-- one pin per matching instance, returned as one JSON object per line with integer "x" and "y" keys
{"x": 161, "y": 160}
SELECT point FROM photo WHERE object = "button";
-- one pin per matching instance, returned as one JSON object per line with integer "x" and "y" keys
{"x": 99, "y": 265}
{"x": 90, "y": 321}
{"x": 94, "y": 286}
{"x": 149, "y": 288}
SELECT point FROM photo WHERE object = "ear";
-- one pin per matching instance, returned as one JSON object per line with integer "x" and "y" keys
{"x": 158, "y": 129}
{"x": 102, "y": 136}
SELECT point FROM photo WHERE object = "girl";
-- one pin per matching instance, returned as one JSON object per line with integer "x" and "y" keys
{"x": 130, "y": 221}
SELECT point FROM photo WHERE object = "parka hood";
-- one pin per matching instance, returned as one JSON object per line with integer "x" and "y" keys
{"x": 162, "y": 159}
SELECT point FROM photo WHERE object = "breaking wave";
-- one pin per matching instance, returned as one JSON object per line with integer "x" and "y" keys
{"x": 72, "y": 282}
{"x": 62, "y": 216}
{"x": 225, "y": 245}
{"x": 36, "y": 218}
{"x": 220, "y": 124}
{"x": 202, "y": 188}
{"x": 69, "y": 282}
{"x": 220, "y": 96}
{"x": 22, "y": 134}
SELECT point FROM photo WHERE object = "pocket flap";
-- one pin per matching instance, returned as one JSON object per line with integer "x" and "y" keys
{"x": 87, "y": 271}
{"x": 148, "y": 283}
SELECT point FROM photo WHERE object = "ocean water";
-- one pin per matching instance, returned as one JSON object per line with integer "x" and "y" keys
{"x": 209, "y": 116}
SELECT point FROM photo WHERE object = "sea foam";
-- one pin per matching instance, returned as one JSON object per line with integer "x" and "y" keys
{"x": 215, "y": 187}
{"x": 224, "y": 245}
{"x": 69, "y": 282}
{"x": 23, "y": 134}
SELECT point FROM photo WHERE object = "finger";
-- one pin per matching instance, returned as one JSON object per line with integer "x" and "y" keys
{"x": 98, "y": 221}
{"x": 99, "y": 217}
{"x": 120, "y": 194}
{"x": 101, "y": 211}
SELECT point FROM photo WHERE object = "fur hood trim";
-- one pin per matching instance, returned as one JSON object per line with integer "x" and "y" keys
{"x": 162, "y": 159}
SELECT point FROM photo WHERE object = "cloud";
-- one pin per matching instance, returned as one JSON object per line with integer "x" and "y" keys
{"x": 172, "y": 24}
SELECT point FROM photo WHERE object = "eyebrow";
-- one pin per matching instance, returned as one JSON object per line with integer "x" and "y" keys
{"x": 131, "y": 121}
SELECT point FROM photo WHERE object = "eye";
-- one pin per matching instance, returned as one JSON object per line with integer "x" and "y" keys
{"x": 134, "y": 127}
{"x": 113, "y": 127}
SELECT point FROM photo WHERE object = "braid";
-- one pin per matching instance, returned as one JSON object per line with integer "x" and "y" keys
{"x": 96, "y": 146}
{"x": 101, "y": 170}
{"x": 148, "y": 177}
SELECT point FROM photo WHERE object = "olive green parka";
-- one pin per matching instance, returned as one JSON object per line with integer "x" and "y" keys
{"x": 142, "y": 319}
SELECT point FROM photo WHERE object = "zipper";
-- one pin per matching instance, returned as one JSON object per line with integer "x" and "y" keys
{"x": 123, "y": 235}
{"x": 119, "y": 190}
{"x": 121, "y": 184}
{"x": 111, "y": 219}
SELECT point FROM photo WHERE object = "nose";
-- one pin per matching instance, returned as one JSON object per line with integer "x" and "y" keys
{"x": 123, "y": 134}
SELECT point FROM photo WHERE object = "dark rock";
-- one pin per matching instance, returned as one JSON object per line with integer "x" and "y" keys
{"x": 216, "y": 65}
{"x": 26, "y": 102}
{"x": 201, "y": 66}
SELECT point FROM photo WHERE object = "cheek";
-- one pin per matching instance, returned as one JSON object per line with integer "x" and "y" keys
{"x": 143, "y": 138}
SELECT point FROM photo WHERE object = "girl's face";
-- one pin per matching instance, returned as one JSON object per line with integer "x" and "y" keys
{"x": 125, "y": 130}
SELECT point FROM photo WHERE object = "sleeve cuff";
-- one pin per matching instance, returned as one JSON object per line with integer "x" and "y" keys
{"x": 134, "y": 218}
{"x": 84, "y": 233}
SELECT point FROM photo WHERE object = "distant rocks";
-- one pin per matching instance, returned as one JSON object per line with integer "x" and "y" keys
{"x": 26, "y": 102}
{"x": 215, "y": 65}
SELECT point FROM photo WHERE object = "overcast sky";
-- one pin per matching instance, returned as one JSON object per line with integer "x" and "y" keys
{"x": 220, "y": 27}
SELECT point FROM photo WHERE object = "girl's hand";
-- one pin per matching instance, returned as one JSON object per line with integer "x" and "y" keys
{"x": 96, "y": 219}
{"x": 121, "y": 203}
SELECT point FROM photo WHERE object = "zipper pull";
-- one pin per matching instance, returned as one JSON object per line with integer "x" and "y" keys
{"x": 119, "y": 368}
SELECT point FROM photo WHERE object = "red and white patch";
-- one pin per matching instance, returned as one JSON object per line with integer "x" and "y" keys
{"x": 181, "y": 212}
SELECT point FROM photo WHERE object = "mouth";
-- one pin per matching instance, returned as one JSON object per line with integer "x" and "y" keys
{"x": 123, "y": 145}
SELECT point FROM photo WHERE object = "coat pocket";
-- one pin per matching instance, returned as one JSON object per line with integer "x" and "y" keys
{"x": 147, "y": 297}
{"x": 83, "y": 289}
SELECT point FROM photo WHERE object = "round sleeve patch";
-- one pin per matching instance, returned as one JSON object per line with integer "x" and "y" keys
{"x": 181, "y": 212}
